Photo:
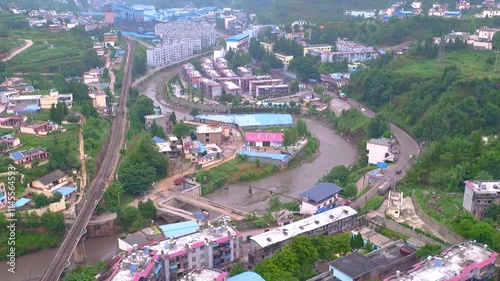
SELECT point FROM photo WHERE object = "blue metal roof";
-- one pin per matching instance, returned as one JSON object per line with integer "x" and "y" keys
{"x": 32, "y": 108}
{"x": 322, "y": 191}
{"x": 246, "y": 276}
{"x": 179, "y": 229}
{"x": 237, "y": 38}
{"x": 251, "y": 120}
{"x": 17, "y": 156}
{"x": 158, "y": 139}
{"x": 7, "y": 136}
{"x": 21, "y": 202}
{"x": 66, "y": 190}
{"x": 452, "y": 13}
{"x": 274, "y": 156}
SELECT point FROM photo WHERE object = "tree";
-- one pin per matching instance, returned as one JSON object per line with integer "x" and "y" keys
{"x": 350, "y": 190}
{"x": 40, "y": 200}
{"x": 147, "y": 209}
{"x": 304, "y": 249}
{"x": 53, "y": 113}
{"x": 493, "y": 212}
{"x": 496, "y": 41}
{"x": 428, "y": 250}
{"x": 237, "y": 269}
{"x": 377, "y": 126}
{"x": 172, "y": 118}
{"x": 302, "y": 128}
{"x": 274, "y": 204}
{"x": 53, "y": 222}
{"x": 131, "y": 217}
{"x": 357, "y": 242}
{"x": 294, "y": 86}
{"x": 182, "y": 129}
{"x": 157, "y": 130}
{"x": 369, "y": 247}
{"x": 112, "y": 196}
{"x": 136, "y": 177}
{"x": 265, "y": 67}
{"x": 290, "y": 136}
{"x": 338, "y": 175}
{"x": 194, "y": 112}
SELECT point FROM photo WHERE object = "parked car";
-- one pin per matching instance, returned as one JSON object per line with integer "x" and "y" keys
{"x": 179, "y": 181}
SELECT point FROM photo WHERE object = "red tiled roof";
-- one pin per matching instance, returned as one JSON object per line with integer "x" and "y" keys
{"x": 260, "y": 136}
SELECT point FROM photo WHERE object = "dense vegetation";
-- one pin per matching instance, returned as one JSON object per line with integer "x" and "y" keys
{"x": 296, "y": 259}
{"x": 33, "y": 232}
{"x": 450, "y": 113}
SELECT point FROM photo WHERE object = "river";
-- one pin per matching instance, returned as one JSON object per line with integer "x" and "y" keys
{"x": 333, "y": 151}
{"x": 32, "y": 266}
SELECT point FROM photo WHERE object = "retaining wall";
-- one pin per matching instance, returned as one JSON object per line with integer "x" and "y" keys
{"x": 392, "y": 225}
{"x": 446, "y": 233}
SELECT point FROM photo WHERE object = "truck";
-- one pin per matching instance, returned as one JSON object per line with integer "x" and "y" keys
{"x": 342, "y": 95}
{"x": 179, "y": 181}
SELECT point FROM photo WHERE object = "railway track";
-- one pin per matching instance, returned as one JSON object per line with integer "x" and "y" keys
{"x": 108, "y": 167}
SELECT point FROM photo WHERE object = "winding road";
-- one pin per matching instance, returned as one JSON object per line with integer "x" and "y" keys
{"x": 19, "y": 50}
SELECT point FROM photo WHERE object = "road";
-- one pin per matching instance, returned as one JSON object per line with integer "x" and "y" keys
{"x": 19, "y": 50}
{"x": 96, "y": 189}
{"x": 408, "y": 148}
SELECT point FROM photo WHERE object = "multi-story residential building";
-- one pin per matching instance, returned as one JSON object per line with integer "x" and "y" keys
{"x": 272, "y": 91}
{"x": 220, "y": 64}
{"x": 244, "y": 82}
{"x": 479, "y": 195}
{"x": 24, "y": 100}
{"x": 54, "y": 98}
{"x": 171, "y": 147}
{"x": 99, "y": 99}
{"x": 253, "y": 84}
{"x": 438, "y": 10}
{"x": 380, "y": 150}
{"x": 487, "y": 34}
{"x": 162, "y": 120}
{"x": 238, "y": 41}
{"x": 346, "y": 51}
{"x": 215, "y": 247}
{"x": 3, "y": 195}
{"x": 319, "y": 198}
{"x": 463, "y": 262}
{"x": 267, "y": 46}
{"x": 210, "y": 89}
{"x": 327, "y": 223}
{"x": 211, "y": 133}
{"x": 201, "y": 31}
{"x": 231, "y": 88}
{"x": 50, "y": 182}
{"x": 452, "y": 37}
{"x": 363, "y": 14}
{"x": 228, "y": 73}
{"x": 489, "y": 13}
{"x": 244, "y": 71}
{"x": 284, "y": 59}
{"x": 321, "y": 47}
{"x": 193, "y": 77}
{"x": 172, "y": 52}
{"x": 39, "y": 128}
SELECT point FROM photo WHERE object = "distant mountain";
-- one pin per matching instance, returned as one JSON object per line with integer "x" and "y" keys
{"x": 58, "y": 5}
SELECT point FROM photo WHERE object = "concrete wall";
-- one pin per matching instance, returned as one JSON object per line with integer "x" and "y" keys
{"x": 392, "y": 225}
{"x": 446, "y": 233}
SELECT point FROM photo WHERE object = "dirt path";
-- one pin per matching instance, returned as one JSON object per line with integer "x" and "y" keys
{"x": 19, "y": 50}
{"x": 81, "y": 150}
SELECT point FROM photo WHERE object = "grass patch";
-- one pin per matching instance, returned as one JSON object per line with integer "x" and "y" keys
{"x": 237, "y": 170}
{"x": 30, "y": 141}
{"x": 372, "y": 204}
{"x": 478, "y": 64}
{"x": 8, "y": 45}
{"x": 393, "y": 234}
{"x": 67, "y": 52}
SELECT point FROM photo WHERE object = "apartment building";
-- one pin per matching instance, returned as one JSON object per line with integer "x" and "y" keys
{"x": 284, "y": 59}
{"x": 253, "y": 84}
{"x": 201, "y": 31}
{"x": 228, "y": 73}
{"x": 327, "y": 223}
{"x": 210, "y": 89}
{"x": 211, "y": 133}
{"x": 272, "y": 91}
{"x": 12, "y": 121}
{"x": 244, "y": 71}
{"x": 54, "y": 98}
{"x": 244, "y": 82}
{"x": 161, "y": 120}
{"x": 479, "y": 195}
{"x": 231, "y": 88}
{"x": 24, "y": 100}
{"x": 172, "y": 52}
{"x": 466, "y": 261}
{"x": 319, "y": 198}
{"x": 238, "y": 41}
{"x": 215, "y": 247}
{"x": 321, "y": 47}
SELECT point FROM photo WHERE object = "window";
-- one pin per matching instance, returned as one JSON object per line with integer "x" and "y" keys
{"x": 193, "y": 259}
{"x": 207, "y": 140}
{"x": 202, "y": 256}
{"x": 202, "y": 247}
{"x": 318, "y": 207}
{"x": 207, "y": 135}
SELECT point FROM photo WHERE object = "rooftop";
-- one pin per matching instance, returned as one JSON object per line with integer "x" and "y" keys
{"x": 237, "y": 38}
{"x": 455, "y": 263}
{"x": 25, "y": 97}
{"x": 262, "y": 136}
{"x": 346, "y": 264}
{"x": 248, "y": 120}
{"x": 385, "y": 142}
{"x": 321, "y": 192}
{"x": 66, "y": 190}
{"x": 207, "y": 129}
{"x": 391, "y": 253}
{"x": 154, "y": 116}
{"x": 484, "y": 186}
{"x": 158, "y": 139}
{"x": 372, "y": 236}
{"x": 52, "y": 177}
{"x": 21, "y": 202}
{"x": 142, "y": 237}
{"x": 289, "y": 231}
{"x": 175, "y": 230}
{"x": 230, "y": 85}
{"x": 204, "y": 236}
{"x": 275, "y": 156}
{"x": 206, "y": 274}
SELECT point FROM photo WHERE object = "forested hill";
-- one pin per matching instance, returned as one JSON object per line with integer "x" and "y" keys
{"x": 59, "y": 5}
{"x": 451, "y": 105}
